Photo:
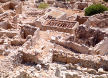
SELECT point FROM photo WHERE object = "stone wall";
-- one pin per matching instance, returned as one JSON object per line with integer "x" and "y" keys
{"x": 80, "y": 5}
{"x": 81, "y": 20}
{"x": 17, "y": 42}
{"x": 73, "y": 45}
{"x": 35, "y": 37}
{"x": 102, "y": 47}
{"x": 3, "y": 1}
{"x": 18, "y": 8}
{"x": 13, "y": 5}
{"x": 89, "y": 36}
{"x": 1, "y": 10}
{"x": 98, "y": 20}
{"x": 35, "y": 55}
{"x": 6, "y": 6}
{"x": 9, "y": 34}
{"x": 44, "y": 28}
{"x": 32, "y": 37}
{"x": 61, "y": 26}
{"x": 87, "y": 61}
{"x": 5, "y": 25}
{"x": 3, "y": 15}
{"x": 85, "y": 40}
{"x": 27, "y": 30}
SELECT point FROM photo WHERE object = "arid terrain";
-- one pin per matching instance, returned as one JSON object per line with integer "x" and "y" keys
{"x": 58, "y": 41}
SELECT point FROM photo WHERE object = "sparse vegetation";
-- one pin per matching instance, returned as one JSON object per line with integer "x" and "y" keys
{"x": 95, "y": 9}
{"x": 43, "y": 5}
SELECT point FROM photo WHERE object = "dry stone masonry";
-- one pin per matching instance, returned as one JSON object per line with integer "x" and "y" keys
{"x": 56, "y": 42}
{"x": 61, "y": 26}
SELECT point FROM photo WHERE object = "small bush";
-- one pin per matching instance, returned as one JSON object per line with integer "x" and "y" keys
{"x": 43, "y": 5}
{"x": 95, "y": 9}
{"x": 105, "y": 0}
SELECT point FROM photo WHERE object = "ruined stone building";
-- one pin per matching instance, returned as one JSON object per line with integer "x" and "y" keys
{"x": 56, "y": 42}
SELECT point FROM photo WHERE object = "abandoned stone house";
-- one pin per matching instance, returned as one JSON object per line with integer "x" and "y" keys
{"x": 85, "y": 40}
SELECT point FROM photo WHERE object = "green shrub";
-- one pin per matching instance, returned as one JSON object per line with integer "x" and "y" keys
{"x": 105, "y": 0}
{"x": 43, "y": 5}
{"x": 95, "y": 9}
